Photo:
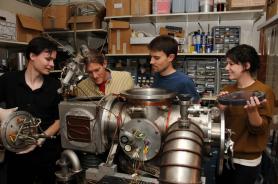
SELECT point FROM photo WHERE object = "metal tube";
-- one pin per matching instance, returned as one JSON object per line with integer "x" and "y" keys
{"x": 72, "y": 157}
{"x": 182, "y": 153}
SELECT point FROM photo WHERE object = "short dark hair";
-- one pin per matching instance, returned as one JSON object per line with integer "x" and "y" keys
{"x": 38, "y": 45}
{"x": 245, "y": 54}
{"x": 94, "y": 57}
{"x": 164, "y": 43}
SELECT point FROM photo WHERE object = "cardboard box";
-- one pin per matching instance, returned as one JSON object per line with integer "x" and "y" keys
{"x": 114, "y": 24}
{"x": 7, "y": 25}
{"x": 271, "y": 8}
{"x": 84, "y": 22}
{"x": 118, "y": 40}
{"x": 138, "y": 49}
{"x": 171, "y": 32}
{"x": 246, "y": 4}
{"x": 55, "y": 17}
{"x": 117, "y": 7}
{"x": 27, "y": 28}
{"x": 139, "y": 7}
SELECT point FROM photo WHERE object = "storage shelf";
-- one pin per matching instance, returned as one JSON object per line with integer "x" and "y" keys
{"x": 201, "y": 54}
{"x": 10, "y": 43}
{"x": 273, "y": 20}
{"x": 192, "y": 17}
{"x": 71, "y": 32}
{"x": 179, "y": 54}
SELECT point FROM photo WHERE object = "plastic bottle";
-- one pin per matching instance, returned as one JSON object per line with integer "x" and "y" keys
{"x": 209, "y": 43}
{"x": 198, "y": 44}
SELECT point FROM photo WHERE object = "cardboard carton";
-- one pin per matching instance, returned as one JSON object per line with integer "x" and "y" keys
{"x": 114, "y": 24}
{"x": 117, "y": 7}
{"x": 138, "y": 49}
{"x": 55, "y": 17}
{"x": 271, "y": 8}
{"x": 84, "y": 22}
{"x": 119, "y": 34}
{"x": 119, "y": 39}
{"x": 171, "y": 32}
{"x": 246, "y": 4}
{"x": 27, "y": 28}
{"x": 139, "y": 7}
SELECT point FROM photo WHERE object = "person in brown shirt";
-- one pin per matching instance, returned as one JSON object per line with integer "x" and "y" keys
{"x": 249, "y": 123}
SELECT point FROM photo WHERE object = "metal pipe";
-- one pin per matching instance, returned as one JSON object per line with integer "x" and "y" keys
{"x": 67, "y": 175}
{"x": 72, "y": 157}
{"x": 182, "y": 155}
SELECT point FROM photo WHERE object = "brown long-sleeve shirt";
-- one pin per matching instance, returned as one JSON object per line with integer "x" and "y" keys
{"x": 250, "y": 141}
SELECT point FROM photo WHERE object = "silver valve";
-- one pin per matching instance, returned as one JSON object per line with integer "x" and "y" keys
{"x": 185, "y": 102}
{"x": 229, "y": 149}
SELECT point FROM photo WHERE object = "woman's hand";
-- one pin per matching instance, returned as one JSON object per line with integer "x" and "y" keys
{"x": 222, "y": 93}
{"x": 39, "y": 143}
{"x": 251, "y": 108}
{"x": 253, "y": 103}
{"x": 5, "y": 113}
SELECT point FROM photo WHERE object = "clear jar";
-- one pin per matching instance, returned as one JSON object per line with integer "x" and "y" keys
{"x": 206, "y": 5}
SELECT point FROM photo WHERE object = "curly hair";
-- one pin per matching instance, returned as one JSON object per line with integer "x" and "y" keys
{"x": 245, "y": 54}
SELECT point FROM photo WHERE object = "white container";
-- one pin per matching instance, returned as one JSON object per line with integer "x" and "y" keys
{"x": 206, "y": 5}
{"x": 191, "y": 6}
{"x": 178, "y": 6}
{"x": 21, "y": 62}
{"x": 139, "y": 41}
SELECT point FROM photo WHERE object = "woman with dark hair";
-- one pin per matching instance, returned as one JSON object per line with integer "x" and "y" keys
{"x": 249, "y": 123}
{"x": 32, "y": 90}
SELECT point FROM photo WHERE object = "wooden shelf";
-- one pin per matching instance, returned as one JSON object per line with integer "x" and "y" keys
{"x": 11, "y": 44}
{"x": 127, "y": 54}
{"x": 273, "y": 20}
{"x": 192, "y": 17}
{"x": 201, "y": 54}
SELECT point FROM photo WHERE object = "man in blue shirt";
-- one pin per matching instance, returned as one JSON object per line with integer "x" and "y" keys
{"x": 163, "y": 51}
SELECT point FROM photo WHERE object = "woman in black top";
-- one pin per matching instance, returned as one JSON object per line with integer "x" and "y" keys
{"x": 32, "y": 90}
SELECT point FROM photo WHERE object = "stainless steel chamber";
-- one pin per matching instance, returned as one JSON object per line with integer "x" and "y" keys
{"x": 147, "y": 126}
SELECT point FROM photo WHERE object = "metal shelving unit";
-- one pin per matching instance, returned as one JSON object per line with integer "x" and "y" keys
{"x": 192, "y": 17}
{"x": 179, "y": 54}
{"x": 273, "y": 20}
{"x": 11, "y": 44}
{"x": 205, "y": 60}
{"x": 252, "y": 15}
{"x": 71, "y": 32}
